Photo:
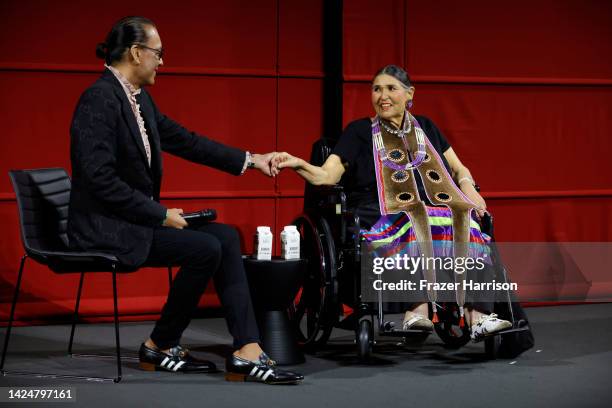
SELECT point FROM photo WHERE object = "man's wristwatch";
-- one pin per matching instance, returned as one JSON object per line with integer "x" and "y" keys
{"x": 249, "y": 160}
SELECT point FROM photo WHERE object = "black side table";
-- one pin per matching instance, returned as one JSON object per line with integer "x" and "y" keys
{"x": 274, "y": 284}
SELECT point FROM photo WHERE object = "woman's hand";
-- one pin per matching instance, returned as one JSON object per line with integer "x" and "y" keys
{"x": 328, "y": 174}
{"x": 471, "y": 193}
{"x": 284, "y": 159}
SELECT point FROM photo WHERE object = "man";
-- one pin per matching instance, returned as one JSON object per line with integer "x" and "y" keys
{"x": 117, "y": 137}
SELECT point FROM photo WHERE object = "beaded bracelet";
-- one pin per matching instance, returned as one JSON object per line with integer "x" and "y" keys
{"x": 471, "y": 180}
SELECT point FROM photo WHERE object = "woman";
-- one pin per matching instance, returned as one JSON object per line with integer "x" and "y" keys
{"x": 117, "y": 137}
{"x": 366, "y": 175}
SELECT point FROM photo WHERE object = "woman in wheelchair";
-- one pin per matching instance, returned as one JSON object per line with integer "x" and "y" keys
{"x": 376, "y": 159}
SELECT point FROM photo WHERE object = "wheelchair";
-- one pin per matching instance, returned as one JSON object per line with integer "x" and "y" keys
{"x": 331, "y": 244}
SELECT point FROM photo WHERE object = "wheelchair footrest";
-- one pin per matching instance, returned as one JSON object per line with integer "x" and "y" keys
{"x": 403, "y": 333}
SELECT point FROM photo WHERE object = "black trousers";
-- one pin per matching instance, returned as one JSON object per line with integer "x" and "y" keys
{"x": 211, "y": 251}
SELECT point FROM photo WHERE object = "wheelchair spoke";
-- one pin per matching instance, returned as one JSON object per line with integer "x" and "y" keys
{"x": 313, "y": 305}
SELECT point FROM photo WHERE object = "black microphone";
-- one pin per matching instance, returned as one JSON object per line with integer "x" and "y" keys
{"x": 199, "y": 218}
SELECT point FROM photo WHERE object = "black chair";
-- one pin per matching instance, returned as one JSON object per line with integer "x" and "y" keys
{"x": 42, "y": 199}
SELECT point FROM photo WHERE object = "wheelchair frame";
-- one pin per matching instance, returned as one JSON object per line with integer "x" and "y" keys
{"x": 320, "y": 302}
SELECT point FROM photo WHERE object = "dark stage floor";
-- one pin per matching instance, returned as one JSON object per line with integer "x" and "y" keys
{"x": 569, "y": 367}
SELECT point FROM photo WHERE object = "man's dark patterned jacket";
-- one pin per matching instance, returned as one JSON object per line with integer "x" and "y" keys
{"x": 114, "y": 203}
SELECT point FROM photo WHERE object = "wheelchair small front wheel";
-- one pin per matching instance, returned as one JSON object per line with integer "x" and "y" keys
{"x": 448, "y": 329}
{"x": 365, "y": 338}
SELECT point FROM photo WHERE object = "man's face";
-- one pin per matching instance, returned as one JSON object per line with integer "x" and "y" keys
{"x": 149, "y": 57}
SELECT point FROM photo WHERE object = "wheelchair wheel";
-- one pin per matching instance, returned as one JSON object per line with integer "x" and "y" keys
{"x": 315, "y": 310}
{"x": 365, "y": 339}
{"x": 492, "y": 345}
{"x": 448, "y": 329}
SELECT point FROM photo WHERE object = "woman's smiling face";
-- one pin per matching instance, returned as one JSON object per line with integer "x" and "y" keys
{"x": 389, "y": 98}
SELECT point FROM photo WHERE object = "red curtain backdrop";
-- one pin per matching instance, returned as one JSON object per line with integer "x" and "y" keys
{"x": 522, "y": 90}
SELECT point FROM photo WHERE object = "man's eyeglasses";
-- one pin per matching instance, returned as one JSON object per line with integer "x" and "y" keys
{"x": 159, "y": 52}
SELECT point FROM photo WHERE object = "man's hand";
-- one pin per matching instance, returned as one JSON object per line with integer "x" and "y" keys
{"x": 174, "y": 219}
{"x": 263, "y": 162}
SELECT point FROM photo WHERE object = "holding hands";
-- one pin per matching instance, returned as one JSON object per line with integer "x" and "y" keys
{"x": 271, "y": 163}
{"x": 263, "y": 162}
{"x": 283, "y": 160}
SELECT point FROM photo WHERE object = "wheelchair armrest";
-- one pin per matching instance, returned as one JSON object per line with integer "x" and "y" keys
{"x": 352, "y": 225}
{"x": 328, "y": 189}
{"x": 329, "y": 198}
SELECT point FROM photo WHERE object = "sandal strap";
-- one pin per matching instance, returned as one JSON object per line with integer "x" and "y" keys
{"x": 413, "y": 320}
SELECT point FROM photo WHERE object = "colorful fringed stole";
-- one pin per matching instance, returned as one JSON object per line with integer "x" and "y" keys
{"x": 397, "y": 192}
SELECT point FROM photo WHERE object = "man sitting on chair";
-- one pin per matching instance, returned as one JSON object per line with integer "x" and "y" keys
{"x": 117, "y": 137}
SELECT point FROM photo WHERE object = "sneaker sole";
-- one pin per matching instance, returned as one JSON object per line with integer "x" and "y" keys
{"x": 485, "y": 335}
{"x": 236, "y": 377}
{"x": 152, "y": 367}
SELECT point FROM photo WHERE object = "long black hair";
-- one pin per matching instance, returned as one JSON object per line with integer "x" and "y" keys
{"x": 126, "y": 32}
{"x": 396, "y": 72}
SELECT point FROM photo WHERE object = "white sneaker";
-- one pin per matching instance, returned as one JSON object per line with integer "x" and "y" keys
{"x": 487, "y": 325}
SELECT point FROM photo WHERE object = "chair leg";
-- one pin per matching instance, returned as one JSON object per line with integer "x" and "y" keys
{"x": 169, "y": 277}
{"x": 116, "y": 313}
{"x": 50, "y": 375}
{"x": 12, "y": 314}
{"x": 75, "y": 317}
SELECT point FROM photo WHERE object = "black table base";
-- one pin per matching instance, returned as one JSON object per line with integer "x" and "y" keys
{"x": 274, "y": 284}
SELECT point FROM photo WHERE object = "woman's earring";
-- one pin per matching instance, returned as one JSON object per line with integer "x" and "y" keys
{"x": 409, "y": 104}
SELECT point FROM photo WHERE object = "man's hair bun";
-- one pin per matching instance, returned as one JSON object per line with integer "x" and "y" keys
{"x": 101, "y": 50}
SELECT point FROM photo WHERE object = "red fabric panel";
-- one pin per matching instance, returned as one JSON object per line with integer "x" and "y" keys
{"x": 215, "y": 106}
{"x": 223, "y": 35}
{"x": 585, "y": 219}
{"x": 299, "y": 125}
{"x": 373, "y": 35}
{"x": 527, "y": 138}
{"x": 547, "y": 38}
{"x": 300, "y": 37}
{"x": 40, "y": 137}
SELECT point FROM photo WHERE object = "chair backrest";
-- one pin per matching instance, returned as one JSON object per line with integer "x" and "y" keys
{"x": 321, "y": 149}
{"x": 43, "y": 196}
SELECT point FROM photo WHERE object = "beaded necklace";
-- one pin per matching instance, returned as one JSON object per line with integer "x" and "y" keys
{"x": 420, "y": 154}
